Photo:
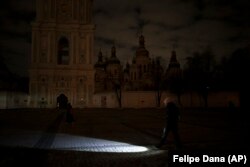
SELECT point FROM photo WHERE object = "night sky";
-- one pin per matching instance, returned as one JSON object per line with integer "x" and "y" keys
{"x": 185, "y": 25}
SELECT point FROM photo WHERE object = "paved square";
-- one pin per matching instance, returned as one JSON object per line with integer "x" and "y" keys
{"x": 111, "y": 137}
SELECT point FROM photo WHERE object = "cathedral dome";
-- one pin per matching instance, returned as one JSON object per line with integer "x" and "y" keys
{"x": 100, "y": 63}
{"x": 141, "y": 51}
{"x": 113, "y": 59}
{"x": 173, "y": 61}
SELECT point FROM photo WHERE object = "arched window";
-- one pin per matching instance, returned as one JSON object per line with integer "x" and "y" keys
{"x": 63, "y": 51}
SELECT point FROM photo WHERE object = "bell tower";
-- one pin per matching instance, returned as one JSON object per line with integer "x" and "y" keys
{"x": 62, "y": 53}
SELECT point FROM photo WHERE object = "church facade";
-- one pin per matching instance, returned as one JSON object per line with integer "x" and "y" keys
{"x": 62, "y": 53}
{"x": 135, "y": 76}
{"x": 62, "y": 63}
{"x": 136, "y": 85}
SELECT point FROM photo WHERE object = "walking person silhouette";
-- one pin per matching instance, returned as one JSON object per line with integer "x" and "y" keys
{"x": 69, "y": 115}
{"x": 172, "y": 121}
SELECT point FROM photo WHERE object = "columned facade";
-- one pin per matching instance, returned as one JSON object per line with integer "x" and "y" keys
{"x": 62, "y": 53}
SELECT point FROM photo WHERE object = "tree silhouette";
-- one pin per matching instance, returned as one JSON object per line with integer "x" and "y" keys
{"x": 234, "y": 69}
{"x": 158, "y": 79}
{"x": 198, "y": 73}
{"x": 117, "y": 85}
{"x": 176, "y": 85}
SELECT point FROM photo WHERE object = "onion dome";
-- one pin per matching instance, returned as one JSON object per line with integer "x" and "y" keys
{"x": 173, "y": 61}
{"x": 141, "y": 51}
{"x": 100, "y": 63}
{"x": 113, "y": 59}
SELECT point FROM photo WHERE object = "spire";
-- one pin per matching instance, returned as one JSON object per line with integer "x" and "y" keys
{"x": 173, "y": 57}
{"x": 173, "y": 60}
{"x": 141, "y": 41}
{"x": 113, "y": 51}
{"x": 113, "y": 59}
{"x": 100, "y": 63}
{"x": 141, "y": 51}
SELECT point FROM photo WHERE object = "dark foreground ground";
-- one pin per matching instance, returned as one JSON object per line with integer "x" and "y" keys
{"x": 114, "y": 137}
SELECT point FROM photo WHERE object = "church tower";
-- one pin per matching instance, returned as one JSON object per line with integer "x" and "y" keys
{"x": 173, "y": 71}
{"x": 62, "y": 53}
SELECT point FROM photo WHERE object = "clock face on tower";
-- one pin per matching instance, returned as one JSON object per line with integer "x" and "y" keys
{"x": 65, "y": 9}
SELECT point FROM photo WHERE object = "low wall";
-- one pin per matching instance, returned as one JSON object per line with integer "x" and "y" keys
{"x": 147, "y": 99}
{"x": 130, "y": 99}
{"x": 9, "y": 100}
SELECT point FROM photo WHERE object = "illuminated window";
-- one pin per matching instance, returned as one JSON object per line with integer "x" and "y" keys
{"x": 63, "y": 51}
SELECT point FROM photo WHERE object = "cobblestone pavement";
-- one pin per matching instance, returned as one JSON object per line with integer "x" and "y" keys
{"x": 109, "y": 137}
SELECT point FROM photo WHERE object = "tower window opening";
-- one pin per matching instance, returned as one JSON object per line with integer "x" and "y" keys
{"x": 63, "y": 51}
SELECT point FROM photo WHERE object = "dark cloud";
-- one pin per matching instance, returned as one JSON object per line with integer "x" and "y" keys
{"x": 200, "y": 4}
{"x": 101, "y": 12}
{"x": 239, "y": 38}
{"x": 186, "y": 25}
{"x": 166, "y": 27}
{"x": 140, "y": 21}
{"x": 138, "y": 10}
{"x": 106, "y": 41}
{"x": 231, "y": 12}
{"x": 26, "y": 16}
{"x": 198, "y": 17}
{"x": 15, "y": 33}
